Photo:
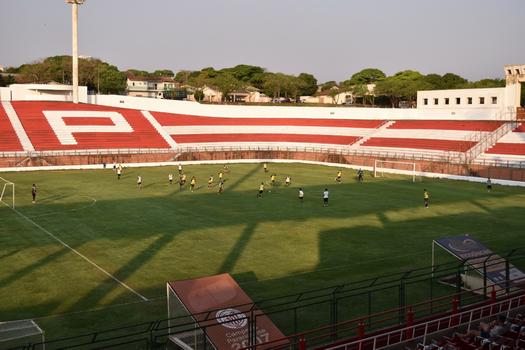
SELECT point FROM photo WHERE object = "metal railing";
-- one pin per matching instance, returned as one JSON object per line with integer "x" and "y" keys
{"x": 335, "y": 308}
{"x": 425, "y": 329}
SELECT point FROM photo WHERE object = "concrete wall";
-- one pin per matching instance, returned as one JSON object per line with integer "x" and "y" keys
{"x": 42, "y": 92}
{"x": 194, "y": 108}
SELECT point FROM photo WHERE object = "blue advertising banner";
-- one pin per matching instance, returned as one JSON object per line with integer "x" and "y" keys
{"x": 478, "y": 255}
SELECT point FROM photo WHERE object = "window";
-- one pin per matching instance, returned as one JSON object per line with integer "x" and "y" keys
{"x": 447, "y": 100}
{"x": 458, "y": 100}
{"x": 509, "y": 71}
{"x": 425, "y": 101}
{"x": 482, "y": 100}
{"x": 494, "y": 100}
{"x": 133, "y": 84}
{"x": 436, "y": 101}
{"x": 517, "y": 71}
{"x": 469, "y": 100}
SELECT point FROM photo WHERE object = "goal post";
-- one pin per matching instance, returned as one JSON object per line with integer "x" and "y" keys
{"x": 7, "y": 192}
{"x": 396, "y": 167}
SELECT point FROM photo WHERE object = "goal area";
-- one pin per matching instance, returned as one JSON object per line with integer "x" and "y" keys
{"x": 7, "y": 192}
{"x": 382, "y": 167}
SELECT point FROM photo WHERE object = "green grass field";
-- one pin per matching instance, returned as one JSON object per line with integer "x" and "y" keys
{"x": 272, "y": 246}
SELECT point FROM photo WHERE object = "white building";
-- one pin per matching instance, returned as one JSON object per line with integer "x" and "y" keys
{"x": 500, "y": 102}
{"x": 153, "y": 87}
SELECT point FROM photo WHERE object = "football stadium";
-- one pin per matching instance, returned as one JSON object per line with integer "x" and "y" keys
{"x": 145, "y": 222}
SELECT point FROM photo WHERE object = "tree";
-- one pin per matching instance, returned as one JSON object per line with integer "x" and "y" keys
{"x": 6, "y": 81}
{"x": 183, "y": 76}
{"x": 328, "y": 85}
{"x": 435, "y": 81}
{"x": 163, "y": 73}
{"x": 112, "y": 81}
{"x": 198, "y": 95}
{"x": 308, "y": 84}
{"x": 487, "y": 83}
{"x": 367, "y": 76}
{"x": 453, "y": 81}
{"x": 226, "y": 83}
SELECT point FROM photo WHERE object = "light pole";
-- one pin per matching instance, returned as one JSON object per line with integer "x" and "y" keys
{"x": 74, "y": 25}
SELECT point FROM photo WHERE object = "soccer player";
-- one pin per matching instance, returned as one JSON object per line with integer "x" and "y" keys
{"x": 226, "y": 169}
{"x": 301, "y": 195}
{"x": 33, "y": 193}
{"x": 261, "y": 190}
{"x": 489, "y": 184}
{"x": 426, "y": 197}
{"x": 180, "y": 168}
{"x": 193, "y": 182}
{"x": 210, "y": 181}
{"x": 325, "y": 197}
{"x": 170, "y": 178}
{"x": 183, "y": 179}
{"x": 181, "y": 182}
{"x": 220, "y": 175}
{"x": 338, "y": 177}
{"x": 119, "y": 173}
{"x": 360, "y": 175}
{"x": 287, "y": 181}
{"x": 139, "y": 182}
{"x": 221, "y": 186}
{"x": 265, "y": 167}
{"x": 272, "y": 179}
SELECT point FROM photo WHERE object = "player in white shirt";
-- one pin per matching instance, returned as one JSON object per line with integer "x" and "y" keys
{"x": 301, "y": 195}
{"x": 180, "y": 168}
{"x": 170, "y": 178}
{"x": 119, "y": 172}
{"x": 139, "y": 182}
{"x": 325, "y": 197}
{"x": 288, "y": 181}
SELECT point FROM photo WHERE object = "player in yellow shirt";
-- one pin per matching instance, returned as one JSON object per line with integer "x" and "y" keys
{"x": 210, "y": 181}
{"x": 272, "y": 179}
{"x": 426, "y": 197}
{"x": 220, "y": 175}
{"x": 265, "y": 167}
{"x": 193, "y": 182}
{"x": 261, "y": 190}
{"x": 339, "y": 175}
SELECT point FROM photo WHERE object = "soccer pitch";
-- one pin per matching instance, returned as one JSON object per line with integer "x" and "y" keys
{"x": 95, "y": 252}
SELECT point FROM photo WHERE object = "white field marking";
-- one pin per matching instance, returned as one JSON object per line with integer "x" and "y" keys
{"x": 93, "y": 202}
{"x": 160, "y": 129}
{"x": 80, "y": 254}
{"x": 17, "y": 126}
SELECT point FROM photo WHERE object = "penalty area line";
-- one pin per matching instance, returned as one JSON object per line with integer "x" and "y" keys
{"x": 81, "y": 255}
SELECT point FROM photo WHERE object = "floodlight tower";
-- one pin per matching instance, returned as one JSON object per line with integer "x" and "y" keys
{"x": 74, "y": 24}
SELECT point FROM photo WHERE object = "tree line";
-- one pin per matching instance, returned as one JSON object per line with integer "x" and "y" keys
{"x": 103, "y": 77}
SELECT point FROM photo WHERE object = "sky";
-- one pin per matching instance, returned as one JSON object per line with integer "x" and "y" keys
{"x": 331, "y": 39}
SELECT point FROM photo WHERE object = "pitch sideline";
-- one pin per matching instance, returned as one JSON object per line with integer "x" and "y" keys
{"x": 80, "y": 254}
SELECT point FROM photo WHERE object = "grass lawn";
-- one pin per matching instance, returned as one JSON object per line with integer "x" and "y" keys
{"x": 272, "y": 246}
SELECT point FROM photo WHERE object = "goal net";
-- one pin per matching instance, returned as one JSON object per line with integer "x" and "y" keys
{"x": 382, "y": 167}
{"x": 7, "y": 192}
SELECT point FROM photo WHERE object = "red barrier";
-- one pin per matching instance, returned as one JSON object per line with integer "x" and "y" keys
{"x": 409, "y": 333}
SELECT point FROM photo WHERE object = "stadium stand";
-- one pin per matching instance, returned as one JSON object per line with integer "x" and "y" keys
{"x": 45, "y": 138}
{"x": 8, "y": 136}
{"x": 58, "y": 127}
{"x": 432, "y": 135}
{"x": 511, "y": 144}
